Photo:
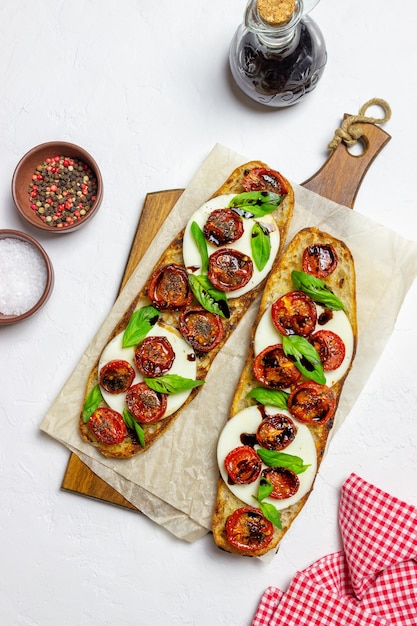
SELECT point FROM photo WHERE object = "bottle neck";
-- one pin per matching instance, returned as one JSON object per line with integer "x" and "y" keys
{"x": 273, "y": 36}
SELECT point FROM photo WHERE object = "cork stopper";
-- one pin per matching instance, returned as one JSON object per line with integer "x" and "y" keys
{"x": 276, "y": 12}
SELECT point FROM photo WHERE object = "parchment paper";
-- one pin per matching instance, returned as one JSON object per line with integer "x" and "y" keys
{"x": 174, "y": 483}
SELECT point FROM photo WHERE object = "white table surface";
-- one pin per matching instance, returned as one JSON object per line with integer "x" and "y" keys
{"x": 144, "y": 86}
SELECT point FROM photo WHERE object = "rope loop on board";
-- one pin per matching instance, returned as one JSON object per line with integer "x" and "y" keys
{"x": 349, "y": 133}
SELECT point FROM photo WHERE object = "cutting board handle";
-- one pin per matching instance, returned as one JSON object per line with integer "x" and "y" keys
{"x": 340, "y": 177}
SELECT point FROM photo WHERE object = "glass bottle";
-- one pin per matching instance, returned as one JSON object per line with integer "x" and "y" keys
{"x": 278, "y": 64}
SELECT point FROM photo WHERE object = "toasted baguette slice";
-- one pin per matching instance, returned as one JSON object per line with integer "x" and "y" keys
{"x": 343, "y": 284}
{"x": 238, "y": 306}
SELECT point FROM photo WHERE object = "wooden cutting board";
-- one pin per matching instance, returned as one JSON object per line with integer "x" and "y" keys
{"x": 339, "y": 179}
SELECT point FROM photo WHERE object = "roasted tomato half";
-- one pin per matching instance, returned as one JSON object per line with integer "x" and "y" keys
{"x": 243, "y": 465}
{"x": 108, "y": 426}
{"x": 229, "y": 269}
{"x": 116, "y": 376}
{"x": 284, "y": 481}
{"x": 294, "y": 314}
{"x": 202, "y": 329}
{"x": 331, "y": 348}
{"x": 274, "y": 369}
{"x": 320, "y": 260}
{"x": 264, "y": 179}
{"x": 169, "y": 288}
{"x": 145, "y": 404}
{"x": 248, "y": 530}
{"x": 312, "y": 403}
{"x": 154, "y": 356}
{"x": 223, "y": 226}
{"x": 276, "y": 432}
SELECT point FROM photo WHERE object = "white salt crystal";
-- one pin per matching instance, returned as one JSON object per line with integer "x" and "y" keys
{"x": 22, "y": 276}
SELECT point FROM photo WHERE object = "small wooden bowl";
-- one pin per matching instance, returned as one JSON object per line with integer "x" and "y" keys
{"x": 49, "y": 272}
{"x": 26, "y": 168}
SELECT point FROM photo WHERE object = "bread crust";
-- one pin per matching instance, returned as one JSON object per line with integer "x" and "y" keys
{"x": 343, "y": 283}
{"x": 238, "y": 306}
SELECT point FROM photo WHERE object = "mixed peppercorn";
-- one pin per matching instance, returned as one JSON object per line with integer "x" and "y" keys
{"x": 62, "y": 191}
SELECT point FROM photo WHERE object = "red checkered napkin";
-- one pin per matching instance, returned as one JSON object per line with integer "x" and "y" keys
{"x": 372, "y": 582}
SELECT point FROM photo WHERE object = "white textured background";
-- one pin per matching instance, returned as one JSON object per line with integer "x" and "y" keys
{"x": 144, "y": 86}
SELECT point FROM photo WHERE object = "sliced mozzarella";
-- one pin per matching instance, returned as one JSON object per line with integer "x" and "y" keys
{"x": 266, "y": 335}
{"x": 184, "y": 365}
{"x": 247, "y": 421}
{"x": 192, "y": 259}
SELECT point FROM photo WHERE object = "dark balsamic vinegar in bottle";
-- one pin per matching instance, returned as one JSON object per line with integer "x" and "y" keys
{"x": 278, "y": 55}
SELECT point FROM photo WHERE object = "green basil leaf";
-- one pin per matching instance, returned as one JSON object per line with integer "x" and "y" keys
{"x": 273, "y": 458}
{"x": 271, "y": 397}
{"x": 317, "y": 290}
{"x": 268, "y": 510}
{"x": 128, "y": 418}
{"x": 171, "y": 383}
{"x": 305, "y": 357}
{"x": 201, "y": 243}
{"x": 265, "y": 489}
{"x": 92, "y": 403}
{"x": 271, "y": 513}
{"x": 260, "y": 245}
{"x": 139, "y": 325}
{"x": 209, "y": 297}
{"x": 255, "y": 203}
{"x": 131, "y": 423}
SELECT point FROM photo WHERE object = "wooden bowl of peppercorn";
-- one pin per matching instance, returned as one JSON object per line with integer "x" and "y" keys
{"x": 57, "y": 187}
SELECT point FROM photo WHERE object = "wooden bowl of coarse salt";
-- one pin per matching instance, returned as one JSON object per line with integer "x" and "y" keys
{"x": 26, "y": 276}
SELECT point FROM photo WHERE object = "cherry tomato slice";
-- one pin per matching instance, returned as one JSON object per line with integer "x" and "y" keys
{"x": 116, "y": 376}
{"x": 107, "y": 426}
{"x": 276, "y": 432}
{"x": 263, "y": 179}
{"x": 154, "y": 356}
{"x": 285, "y": 482}
{"x": 243, "y": 465}
{"x": 223, "y": 226}
{"x": 248, "y": 530}
{"x": 331, "y": 349}
{"x": 312, "y": 403}
{"x": 320, "y": 260}
{"x": 169, "y": 288}
{"x": 145, "y": 404}
{"x": 229, "y": 269}
{"x": 202, "y": 329}
{"x": 274, "y": 369}
{"x": 294, "y": 314}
